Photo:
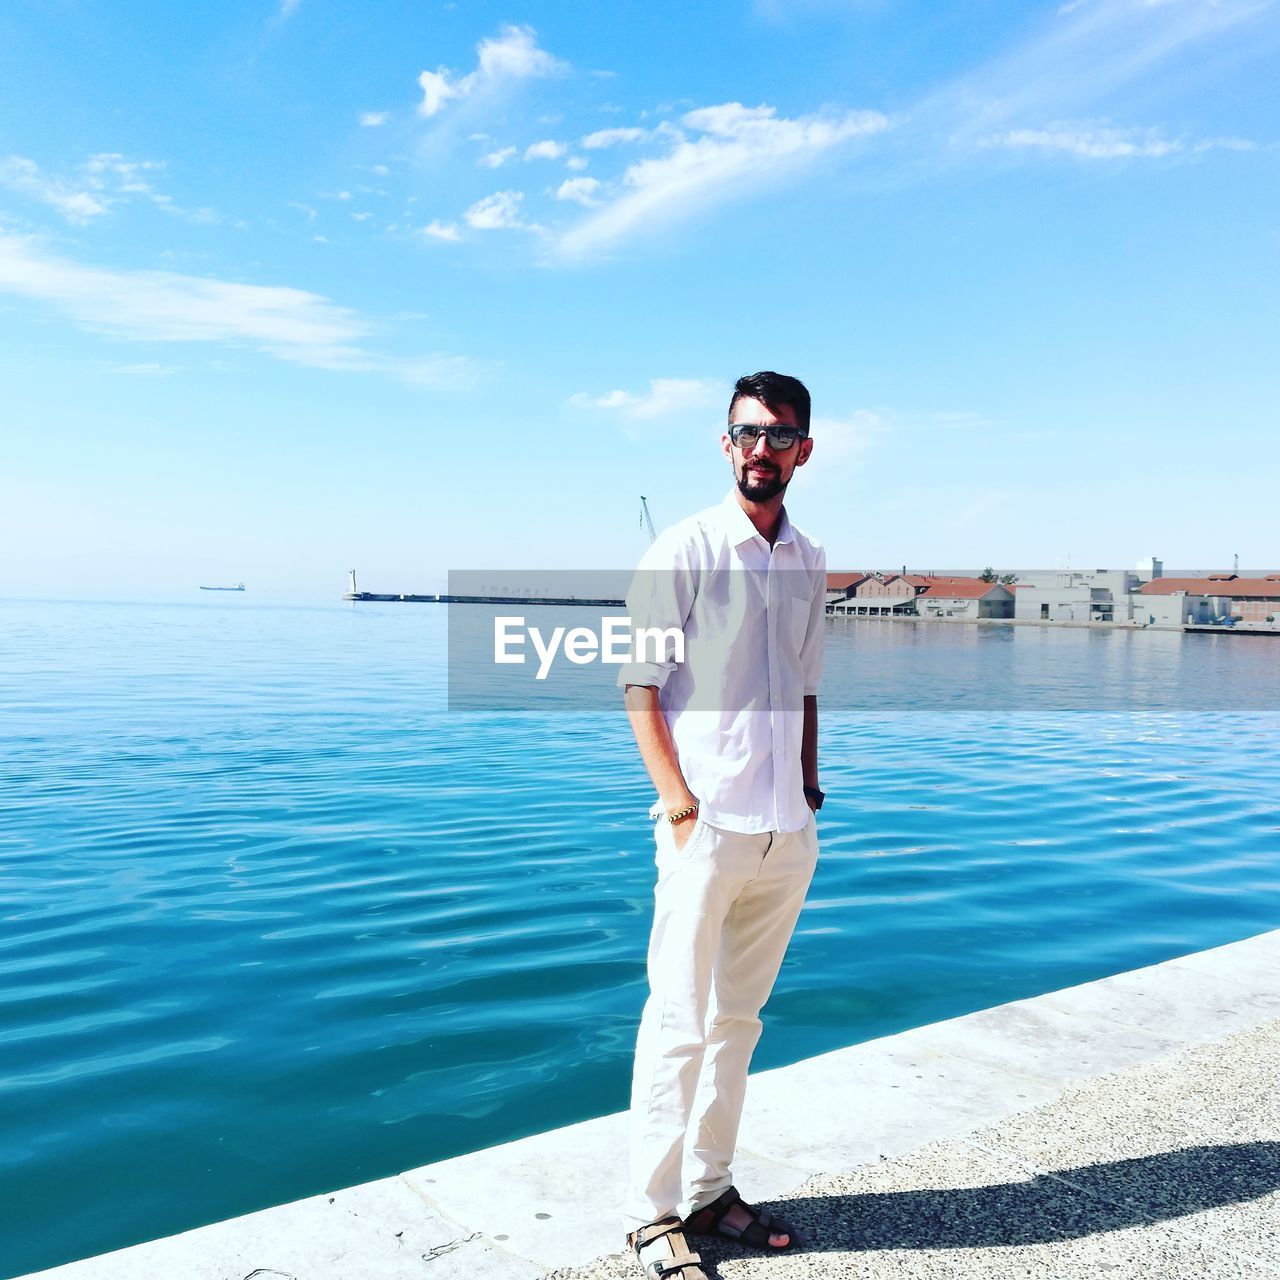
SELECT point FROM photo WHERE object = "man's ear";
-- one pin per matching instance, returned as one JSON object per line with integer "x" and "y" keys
{"x": 726, "y": 446}
{"x": 806, "y": 448}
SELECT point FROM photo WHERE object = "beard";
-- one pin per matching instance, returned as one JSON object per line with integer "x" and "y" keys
{"x": 760, "y": 488}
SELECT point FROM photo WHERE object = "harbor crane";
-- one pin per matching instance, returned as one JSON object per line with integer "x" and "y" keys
{"x": 646, "y": 520}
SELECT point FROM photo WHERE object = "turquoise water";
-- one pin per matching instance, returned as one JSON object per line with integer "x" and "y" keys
{"x": 273, "y": 921}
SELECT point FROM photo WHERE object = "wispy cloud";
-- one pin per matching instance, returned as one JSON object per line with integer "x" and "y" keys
{"x": 287, "y": 9}
{"x": 580, "y": 190}
{"x": 842, "y": 439}
{"x": 733, "y": 144}
{"x": 665, "y": 398}
{"x": 374, "y": 119}
{"x": 545, "y": 150}
{"x": 437, "y": 230}
{"x": 1086, "y": 143}
{"x": 97, "y": 185}
{"x": 166, "y": 306}
{"x": 499, "y": 212}
{"x": 1226, "y": 144}
{"x": 612, "y": 137}
{"x": 496, "y": 159}
{"x": 1103, "y": 142}
{"x": 501, "y": 60}
{"x": 1078, "y": 61}
{"x": 146, "y": 369}
{"x": 75, "y": 203}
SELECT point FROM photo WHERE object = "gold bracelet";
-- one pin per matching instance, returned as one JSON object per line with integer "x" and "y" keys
{"x": 681, "y": 814}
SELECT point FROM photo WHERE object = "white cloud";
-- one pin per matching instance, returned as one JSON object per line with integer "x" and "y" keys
{"x": 167, "y": 306}
{"x": 99, "y": 184}
{"x": 362, "y": 217}
{"x": 1102, "y": 142}
{"x": 438, "y": 230}
{"x": 146, "y": 369}
{"x": 1226, "y": 144}
{"x": 382, "y": 171}
{"x": 1086, "y": 143}
{"x": 497, "y": 212}
{"x": 508, "y": 57}
{"x": 374, "y": 119}
{"x": 1078, "y": 60}
{"x": 666, "y": 397}
{"x": 288, "y": 8}
{"x": 737, "y": 144}
{"x": 612, "y": 137}
{"x": 436, "y": 91}
{"x": 445, "y": 372}
{"x": 838, "y": 439}
{"x": 580, "y": 190}
{"x": 545, "y": 150}
{"x": 71, "y": 200}
{"x": 495, "y": 159}
{"x": 576, "y": 163}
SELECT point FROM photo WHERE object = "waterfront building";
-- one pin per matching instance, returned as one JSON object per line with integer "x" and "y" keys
{"x": 1076, "y": 595}
{"x": 840, "y": 586}
{"x": 1122, "y": 596}
{"x": 878, "y": 595}
{"x": 1210, "y": 599}
{"x": 957, "y": 597}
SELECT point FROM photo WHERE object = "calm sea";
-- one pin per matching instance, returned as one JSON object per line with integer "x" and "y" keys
{"x": 273, "y": 920}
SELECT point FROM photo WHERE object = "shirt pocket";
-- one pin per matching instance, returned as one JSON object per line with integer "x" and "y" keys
{"x": 797, "y": 605}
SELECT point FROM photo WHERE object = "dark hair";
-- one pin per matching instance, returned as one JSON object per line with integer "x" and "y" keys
{"x": 774, "y": 389}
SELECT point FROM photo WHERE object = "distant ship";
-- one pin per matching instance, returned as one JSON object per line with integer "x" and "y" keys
{"x": 239, "y": 586}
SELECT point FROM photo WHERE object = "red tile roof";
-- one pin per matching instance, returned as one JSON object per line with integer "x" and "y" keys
{"x": 842, "y": 580}
{"x": 1218, "y": 584}
{"x": 958, "y": 588}
{"x": 938, "y": 585}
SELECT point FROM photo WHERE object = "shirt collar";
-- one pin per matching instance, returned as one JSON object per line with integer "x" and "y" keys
{"x": 739, "y": 526}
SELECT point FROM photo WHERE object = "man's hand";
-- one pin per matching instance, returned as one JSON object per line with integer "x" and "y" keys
{"x": 682, "y": 830}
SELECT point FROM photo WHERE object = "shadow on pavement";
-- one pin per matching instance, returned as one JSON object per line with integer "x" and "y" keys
{"x": 1083, "y": 1201}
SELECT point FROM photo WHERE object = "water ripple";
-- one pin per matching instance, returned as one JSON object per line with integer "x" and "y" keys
{"x": 261, "y": 891}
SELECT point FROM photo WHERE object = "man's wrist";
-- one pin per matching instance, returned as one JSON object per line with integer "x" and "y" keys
{"x": 683, "y": 813}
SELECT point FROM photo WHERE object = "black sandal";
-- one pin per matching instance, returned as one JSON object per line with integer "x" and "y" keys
{"x": 710, "y": 1221}
{"x": 681, "y": 1265}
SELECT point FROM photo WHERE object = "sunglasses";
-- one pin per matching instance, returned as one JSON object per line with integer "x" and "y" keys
{"x": 745, "y": 436}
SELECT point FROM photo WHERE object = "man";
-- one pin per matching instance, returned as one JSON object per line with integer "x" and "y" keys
{"x": 729, "y": 737}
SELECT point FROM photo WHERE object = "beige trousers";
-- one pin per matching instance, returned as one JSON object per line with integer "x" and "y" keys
{"x": 725, "y": 907}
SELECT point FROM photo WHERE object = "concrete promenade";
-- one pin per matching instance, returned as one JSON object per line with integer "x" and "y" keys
{"x": 1128, "y": 1127}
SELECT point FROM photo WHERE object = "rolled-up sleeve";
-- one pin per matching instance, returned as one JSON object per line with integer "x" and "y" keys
{"x": 659, "y": 601}
{"x": 815, "y": 636}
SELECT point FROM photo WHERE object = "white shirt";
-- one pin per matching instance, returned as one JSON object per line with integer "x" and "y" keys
{"x": 753, "y": 618}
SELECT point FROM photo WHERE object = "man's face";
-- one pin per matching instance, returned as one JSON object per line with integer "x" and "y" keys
{"x": 763, "y": 472}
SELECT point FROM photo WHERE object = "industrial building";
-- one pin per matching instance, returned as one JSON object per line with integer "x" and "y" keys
{"x": 877, "y": 595}
{"x": 1076, "y": 595}
{"x": 1217, "y": 598}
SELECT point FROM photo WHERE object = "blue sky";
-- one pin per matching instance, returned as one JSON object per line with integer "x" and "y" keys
{"x": 291, "y": 287}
